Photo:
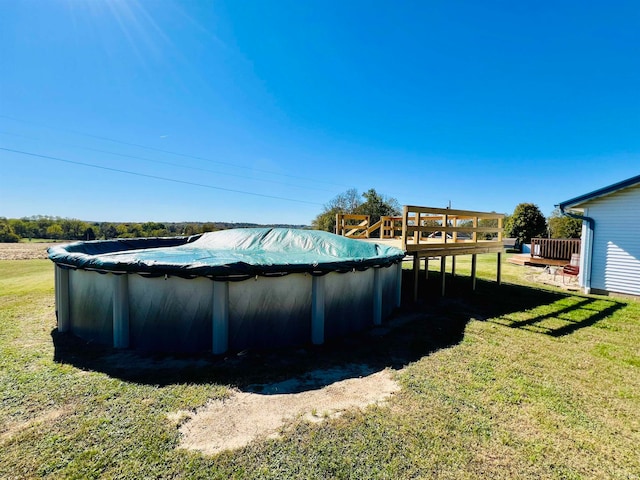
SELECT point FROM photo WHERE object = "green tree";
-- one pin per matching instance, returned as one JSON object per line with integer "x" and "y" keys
{"x": 562, "y": 226}
{"x": 7, "y": 235}
{"x": 72, "y": 228}
{"x": 108, "y": 230}
{"x": 346, "y": 202}
{"x": 208, "y": 227}
{"x": 19, "y": 227}
{"x": 526, "y": 223}
{"x": 55, "y": 231}
{"x": 374, "y": 204}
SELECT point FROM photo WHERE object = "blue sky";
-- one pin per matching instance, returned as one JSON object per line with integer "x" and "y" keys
{"x": 263, "y": 111}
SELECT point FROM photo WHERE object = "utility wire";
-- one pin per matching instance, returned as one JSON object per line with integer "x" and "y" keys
{"x": 155, "y": 177}
{"x": 185, "y": 155}
{"x": 173, "y": 164}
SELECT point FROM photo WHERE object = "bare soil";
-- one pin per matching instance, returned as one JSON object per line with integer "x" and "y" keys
{"x": 23, "y": 251}
{"x": 246, "y": 416}
{"x": 552, "y": 276}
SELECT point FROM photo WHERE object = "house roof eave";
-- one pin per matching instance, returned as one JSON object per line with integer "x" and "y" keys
{"x": 574, "y": 203}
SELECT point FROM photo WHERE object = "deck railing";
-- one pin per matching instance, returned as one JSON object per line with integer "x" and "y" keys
{"x": 425, "y": 227}
{"x": 455, "y": 230}
{"x": 351, "y": 225}
{"x": 555, "y": 248}
{"x": 359, "y": 226}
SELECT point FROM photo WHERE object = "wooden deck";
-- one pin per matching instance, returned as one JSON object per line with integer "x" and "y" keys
{"x": 527, "y": 259}
{"x": 426, "y": 232}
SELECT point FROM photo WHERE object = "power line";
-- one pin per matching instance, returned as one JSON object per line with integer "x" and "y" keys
{"x": 155, "y": 177}
{"x": 169, "y": 152}
{"x": 123, "y": 155}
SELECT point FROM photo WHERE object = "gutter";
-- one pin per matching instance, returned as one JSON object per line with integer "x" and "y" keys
{"x": 585, "y": 266}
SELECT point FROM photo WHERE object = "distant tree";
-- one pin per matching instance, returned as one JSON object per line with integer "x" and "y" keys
{"x": 346, "y": 202}
{"x": 527, "y": 222}
{"x": 108, "y": 230}
{"x": 55, "y": 231}
{"x": 134, "y": 230}
{"x": 72, "y": 229}
{"x": 89, "y": 234}
{"x": 562, "y": 226}
{"x": 19, "y": 227}
{"x": 7, "y": 235}
{"x": 208, "y": 227}
{"x": 374, "y": 204}
{"x": 122, "y": 230}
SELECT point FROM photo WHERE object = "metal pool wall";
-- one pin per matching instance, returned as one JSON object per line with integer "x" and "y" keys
{"x": 173, "y": 314}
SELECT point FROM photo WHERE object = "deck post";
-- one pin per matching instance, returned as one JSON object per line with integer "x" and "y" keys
{"x": 499, "y": 269}
{"x": 474, "y": 259}
{"x": 453, "y": 266}
{"x": 426, "y": 267}
{"x": 377, "y": 296}
{"x": 317, "y": 310}
{"x": 443, "y": 272}
{"x": 64, "y": 307}
{"x": 220, "y": 318}
{"x": 416, "y": 274}
{"x": 121, "y": 311}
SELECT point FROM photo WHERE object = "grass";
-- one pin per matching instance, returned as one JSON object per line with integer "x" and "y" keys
{"x": 515, "y": 381}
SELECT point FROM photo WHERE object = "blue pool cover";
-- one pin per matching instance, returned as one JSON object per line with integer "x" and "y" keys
{"x": 228, "y": 253}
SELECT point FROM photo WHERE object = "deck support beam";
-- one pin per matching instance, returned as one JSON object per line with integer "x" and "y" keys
{"x": 416, "y": 275}
{"x": 499, "y": 269}
{"x": 443, "y": 273}
{"x": 474, "y": 261}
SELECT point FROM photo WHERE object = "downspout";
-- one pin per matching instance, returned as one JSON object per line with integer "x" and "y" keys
{"x": 588, "y": 244}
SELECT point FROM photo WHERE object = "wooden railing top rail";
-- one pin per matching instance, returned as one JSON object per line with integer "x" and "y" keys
{"x": 469, "y": 214}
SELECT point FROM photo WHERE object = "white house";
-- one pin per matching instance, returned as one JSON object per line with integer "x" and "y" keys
{"x": 610, "y": 258}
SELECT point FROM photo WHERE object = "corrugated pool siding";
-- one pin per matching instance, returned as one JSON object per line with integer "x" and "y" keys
{"x": 616, "y": 247}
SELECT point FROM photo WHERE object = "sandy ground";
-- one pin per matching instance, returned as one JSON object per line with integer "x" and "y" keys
{"x": 23, "y": 251}
{"x": 552, "y": 276}
{"x": 263, "y": 413}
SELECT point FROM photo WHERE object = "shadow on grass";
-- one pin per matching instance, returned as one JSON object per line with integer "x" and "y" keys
{"x": 414, "y": 331}
{"x": 549, "y": 312}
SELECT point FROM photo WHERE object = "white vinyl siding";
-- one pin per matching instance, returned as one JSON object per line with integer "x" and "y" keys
{"x": 616, "y": 242}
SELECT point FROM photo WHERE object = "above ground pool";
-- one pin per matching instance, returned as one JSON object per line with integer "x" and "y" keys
{"x": 226, "y": 290}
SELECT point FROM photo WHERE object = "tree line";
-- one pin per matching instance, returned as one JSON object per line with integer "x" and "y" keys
{"x": 56, "y": 228}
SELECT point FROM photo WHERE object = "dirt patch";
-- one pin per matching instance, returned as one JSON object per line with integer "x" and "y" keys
{"x": 264, "y": 410}
{"x": 23, "y": 251}
{"x": 553, "y": 276}
{"x": 11, "y": 429}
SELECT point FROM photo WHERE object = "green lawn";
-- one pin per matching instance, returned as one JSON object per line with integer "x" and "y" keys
{"x": 513, "y": 381}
